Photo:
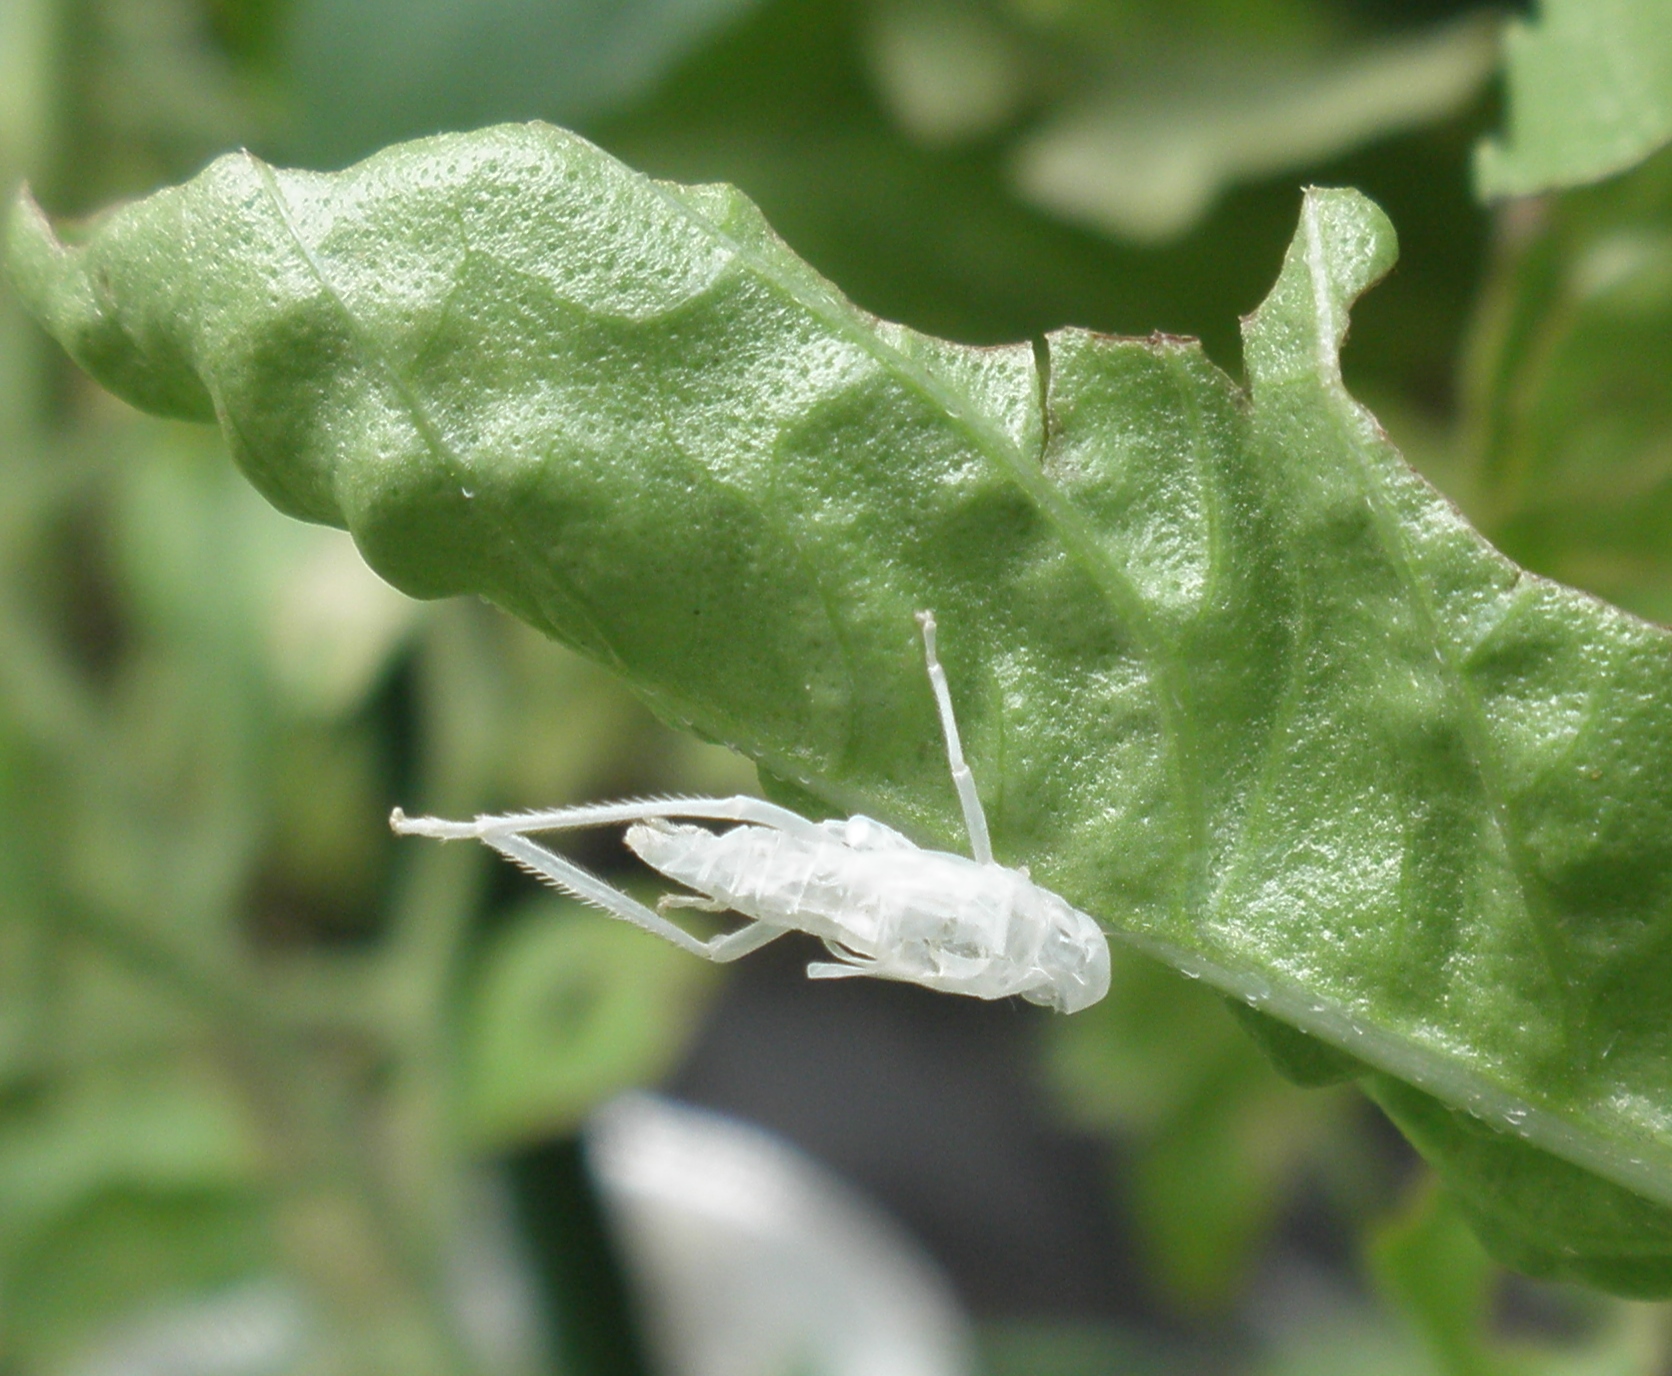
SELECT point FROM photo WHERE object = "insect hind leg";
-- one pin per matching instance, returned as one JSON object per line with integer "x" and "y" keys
{"x": 581, "y": 883}
{"x": 739, "y": 808}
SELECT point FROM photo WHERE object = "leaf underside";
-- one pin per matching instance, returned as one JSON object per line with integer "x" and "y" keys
{"x": 1231, "y": 677}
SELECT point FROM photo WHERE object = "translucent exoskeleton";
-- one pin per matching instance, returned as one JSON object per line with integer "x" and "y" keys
{"x": 882, "y": 905}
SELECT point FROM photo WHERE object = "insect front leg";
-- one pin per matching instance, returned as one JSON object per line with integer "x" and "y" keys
{"x": 831, "y": 969}
{"x": 847, "y": 965}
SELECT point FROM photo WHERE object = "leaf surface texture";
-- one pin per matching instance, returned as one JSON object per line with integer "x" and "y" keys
{"x": 1231, "y": 677}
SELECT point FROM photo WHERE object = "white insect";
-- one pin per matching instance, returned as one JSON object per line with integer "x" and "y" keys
{"x": 882, "y": 905}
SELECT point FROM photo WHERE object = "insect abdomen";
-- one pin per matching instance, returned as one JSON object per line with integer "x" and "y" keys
{"x": 891, "y": 905}
{"x": 788, "y": 881}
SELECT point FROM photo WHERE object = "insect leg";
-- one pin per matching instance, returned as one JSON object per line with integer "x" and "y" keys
{"x": 733, "y": 945}
{"x": 506, "y": 834}
{"x": 847, "y": 965}
{"x": 975, "y": 820}
{"x": 740, "y": 808}
{"x": 700, "y": 902}
{"x": 581, "y": 883}
{"x": 831, "y": 969}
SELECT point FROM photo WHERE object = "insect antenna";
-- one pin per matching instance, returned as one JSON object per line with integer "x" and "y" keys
{"x": 975, "y": 820}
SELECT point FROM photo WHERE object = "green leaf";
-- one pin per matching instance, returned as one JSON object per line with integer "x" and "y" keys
{"x": 155, "y": 1127}
{"x": 1343, "y": 1337}
{"x": 1426, "y": 1262}
{"x": 781, "y": 109}
{"x": 1231, "y": 677}
{"x": 1297, "y": 1057}
{"x": 1532, "y": 1210}
{"x": 568, "y": 732}
{"x": 1590, "y": 93}
{"x": 121, "y": 1261}
{"x": 565, "y": 1011}
{"x": 1570, "y": 413}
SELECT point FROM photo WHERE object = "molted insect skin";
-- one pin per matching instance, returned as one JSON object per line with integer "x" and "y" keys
{"x": 891, "y": 910}
{"x": 962, "y": 925}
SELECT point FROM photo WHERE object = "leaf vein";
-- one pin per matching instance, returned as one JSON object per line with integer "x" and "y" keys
{"x": 426, "y": 427}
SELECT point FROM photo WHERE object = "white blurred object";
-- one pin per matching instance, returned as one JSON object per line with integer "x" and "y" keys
{"x": 258, "y": 1329}
{"x": 489, "y": 1277}
{"x": 749, "y": 1259}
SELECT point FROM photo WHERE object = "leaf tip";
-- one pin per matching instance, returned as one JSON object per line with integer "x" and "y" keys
{"x": 1343, "y": 245}
{"x": 46, "y": 273}
{"x": 32, "y": 253}
{"x": 1351, "y": 236}
{"x": 73, "y": 286}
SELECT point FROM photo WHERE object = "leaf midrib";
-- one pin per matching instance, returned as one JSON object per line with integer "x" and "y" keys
{"x": 1169, "y": 687}
{"x": 1170, "y": 690}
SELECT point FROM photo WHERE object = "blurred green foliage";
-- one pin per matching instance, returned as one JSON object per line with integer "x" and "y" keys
{"x": 1219, "y": 1142}
{"x": 1590, "y": 86}
{"x": 564, "y": 1012}
{"x": 242, "y": 1038}
{"x": 1566, "y": 451}
{"x": 236, "y": 1029}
